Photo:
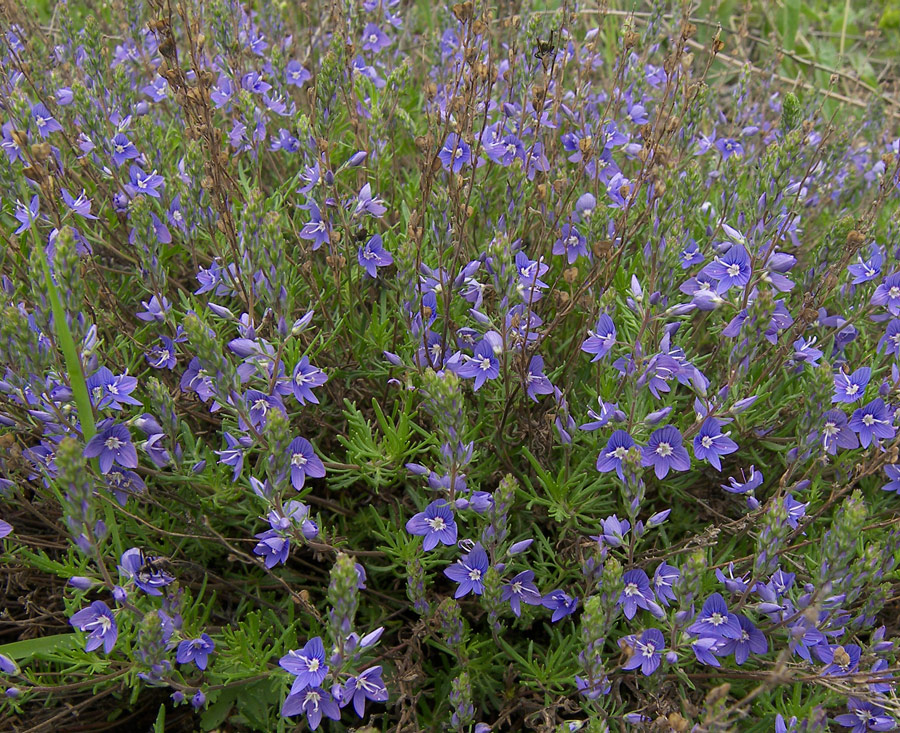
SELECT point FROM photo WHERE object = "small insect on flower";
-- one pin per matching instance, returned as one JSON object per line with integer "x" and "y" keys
{"x": 545, "y": 48}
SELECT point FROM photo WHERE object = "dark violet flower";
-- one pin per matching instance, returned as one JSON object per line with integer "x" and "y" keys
{"x": 748, "y": 484}
{"x": 636, "y": 593}
{"x": 752, "y": 640}
{"x": 613, "y": 531}
{"x": 368, "y": 685}
{"x": 455, "y": 153}
{"x": 601, "y": 339}
{"x": 710, "y": 443}
{"x": 314, "y": 702}
{"x": 100, "y": 622}
{"x": 521, "y": 589}
{"x": 561, "y": 603}
{"x": 144, "y": 571}
{"x": 436, "y": 524}
{"x": 865, "y": 716}
{"x": 715, "y": 621}
{"x": 536, "y": 381}
{"x": 888, "y": 293}
{"x": 43, "y": 120}
{"x": 5, "y": 529}
{"x": 874, "y": 420}
{"x": 112, "y": 444}
{"x": 647, "y": 652}
{"x": 469, "y": 572}
{"x": 195, "y": 650}
{"x": 304, "y": 462}
{"x": 731, "y": 269}
{"x": 664, "y": 451}
{"x": 306, "y": 664}
{"x": 373, "y": 255}
{"x": 482, "y": 366}
{"x": 851, "y": 387}
{"x": 611, "y": 457}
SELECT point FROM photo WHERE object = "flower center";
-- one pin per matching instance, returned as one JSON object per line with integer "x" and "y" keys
{"x": 474, "y": 574}
{"x": 707, "y": 441}
{"x": 717, "y": 619}
{"x": 734, "y": 270}
{"x": 437, "y": 524}
{"x": 868, "y": 420}
{"x": 664, "y": 450}
{"x": 894, "y": 292}
{"x": 299, "y": 460}
{"x": 485, "y": 364}
{"x": 113, "y": 443}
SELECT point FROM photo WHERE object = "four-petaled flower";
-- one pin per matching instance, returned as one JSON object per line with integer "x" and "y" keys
{"x": 373, "y": 255}
{"x": 601, "y": 339}
{"x": 714, "y": 620}
{"x": 195, "y": 650}
{"x": 306, "y": 664}
{"x": 521, "y": 589}
{"x": 112, "y": 444}
{"x": 647, "y": 652}
{"x": 710, "y": 443}
{"x": 100, "y": 622}
{"x": 304, "y": 462}
{"x": 851, "y": 387}
{"x": 664, "y": 451}
{"x": 873, "y": 420}
{"x": 482, "y": 366}
{"x": 469, "y": 572}
{"x": 436, "y": 524}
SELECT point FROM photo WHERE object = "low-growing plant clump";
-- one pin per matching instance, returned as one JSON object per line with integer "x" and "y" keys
{"x": 380, "y": 366}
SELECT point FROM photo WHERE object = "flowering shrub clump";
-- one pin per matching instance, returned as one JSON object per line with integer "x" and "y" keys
{"x": 441, "y": 368}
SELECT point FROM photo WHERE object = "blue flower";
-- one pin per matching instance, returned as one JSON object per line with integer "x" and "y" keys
{"x": 455, "y": 153}
{"x": 368, "y": 685}
{"x": 893, "y": 473}
{"x": 647, "y": 651}
{"x": 304, "y": 378}
{"x": 865, "y": 716}
{"x": 561, "y": 603}
{"x": 304, "y": 462}
{"x": 43, "y": 120}
{"x": 27, "y": 215}
{"x": 99, "y": 621}
{"x": 752, "y": 640}
{"x": 436, "y": 524}
{"x": 314, "y": 702}
{"x": 112, "y": 444}
{"x": 144, "y": 571}
{"x": 664, "y": 451}
{"x": 711, "y": 443}
{"x": 373, "y": 255}
{"x": 469, "y": 572}
{"x": 483, "y": 366}
{"x": 306, "y": 664}
{"x": 521, "y": 589}
{"x": 874, "y": 420}
{"x": 714, "y": 620}
{"x": 636, "y": 593}
{"x": 195, "y": 650}
{"x": 850, "y": 388}
{"x": 748, "y": 484}
{"x": 731, "y": 269}
{"x": 601, "y": 339}
{"x": 535, "y": 380}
